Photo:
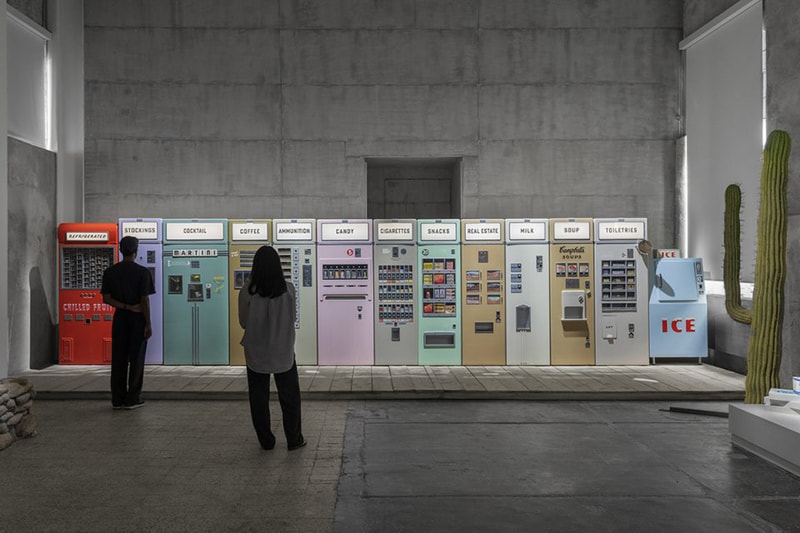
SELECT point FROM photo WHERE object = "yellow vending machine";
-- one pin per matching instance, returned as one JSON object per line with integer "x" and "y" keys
{"x": 483, "y": 324}
{"x": 245, "y": 238}
{"x": 571, "y": 292}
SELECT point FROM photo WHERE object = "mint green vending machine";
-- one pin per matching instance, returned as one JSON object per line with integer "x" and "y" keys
{"x": 196, "y": 292}
{"x": 439, "y": 268}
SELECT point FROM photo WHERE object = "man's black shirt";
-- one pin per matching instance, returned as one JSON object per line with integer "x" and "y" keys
{"x": 127, "y": 282}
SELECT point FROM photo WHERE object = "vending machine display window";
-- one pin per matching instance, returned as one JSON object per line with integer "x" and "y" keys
{"x": 439, "y": 287}
{"x": 618, "y": 285}
{"x": 396, "y": 293}
{"x": 82, "y": 268}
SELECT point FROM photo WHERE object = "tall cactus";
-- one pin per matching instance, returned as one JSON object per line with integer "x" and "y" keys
{"x": 766, "y": 318}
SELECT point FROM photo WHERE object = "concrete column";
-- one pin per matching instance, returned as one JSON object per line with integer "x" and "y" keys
{"x": 3, "y": 197}
{"x": 781, "y": 18}
{"x": 65, "y": 21}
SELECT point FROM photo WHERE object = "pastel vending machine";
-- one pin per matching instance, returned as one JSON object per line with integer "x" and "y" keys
{"x": 678, "y": 309}
{"x": 245, "y": 236}
{"x": 85, "y": 251}
{"x": 483, "y": 324}
{"x": 148, "y": 231}
{"x": 295, "y": 240}
{"x": 395, "y": 254}
{"x": 571, "y": 292}
{"x": 621, "y": 303}
{"x": 439, "y": 266}
{"x": 346, "y": 331}
{"x": 528, "y": 292}
{"x": 196, "y": 295}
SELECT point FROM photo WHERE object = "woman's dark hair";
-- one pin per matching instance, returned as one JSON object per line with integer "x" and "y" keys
{"x": 266, "y": 277}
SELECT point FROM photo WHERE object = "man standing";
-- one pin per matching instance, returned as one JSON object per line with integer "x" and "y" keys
{"x": 127, "y": 286}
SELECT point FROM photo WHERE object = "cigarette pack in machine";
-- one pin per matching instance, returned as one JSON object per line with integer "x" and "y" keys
{"x": 85, "y": 251}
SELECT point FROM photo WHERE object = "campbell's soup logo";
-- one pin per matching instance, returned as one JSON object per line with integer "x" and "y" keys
{"x": 572, "y": 250}
{"x": 678, "y": 325}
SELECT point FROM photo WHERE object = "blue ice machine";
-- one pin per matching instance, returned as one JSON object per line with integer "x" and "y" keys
{"x": 678, "y": 309}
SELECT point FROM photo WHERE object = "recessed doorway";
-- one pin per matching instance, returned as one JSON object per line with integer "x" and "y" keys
{"x": 414, "y": 187}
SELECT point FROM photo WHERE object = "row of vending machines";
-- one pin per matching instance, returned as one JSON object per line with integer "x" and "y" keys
{"x": 397, "y": 292}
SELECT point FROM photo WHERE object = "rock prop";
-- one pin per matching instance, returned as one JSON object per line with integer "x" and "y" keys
{"x": 17, "y": 421}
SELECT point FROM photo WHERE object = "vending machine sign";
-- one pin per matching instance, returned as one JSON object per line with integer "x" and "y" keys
{"x": 345, "y": 231}
{"x": 294, "y": 231}
{"x": 144, "y": 230}
{"x": 195, "y": 231}
{"x": 438, "y": 231}
{"x": 250, "y": 231}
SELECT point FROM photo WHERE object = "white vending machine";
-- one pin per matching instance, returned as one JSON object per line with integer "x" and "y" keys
{"x": 621, "y": 307}
{"x": 295, "y": 240}
{"x": 528, "y": 292}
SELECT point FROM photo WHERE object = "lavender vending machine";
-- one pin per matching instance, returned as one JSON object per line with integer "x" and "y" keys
{"x": 345, "y": 288}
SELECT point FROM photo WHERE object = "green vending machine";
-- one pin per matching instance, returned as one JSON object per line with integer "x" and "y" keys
{"x": 196, "y": 292}
{"x": 439, "y": 268}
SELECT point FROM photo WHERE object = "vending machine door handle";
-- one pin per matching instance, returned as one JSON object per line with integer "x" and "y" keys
{"x": 659, "y": 281}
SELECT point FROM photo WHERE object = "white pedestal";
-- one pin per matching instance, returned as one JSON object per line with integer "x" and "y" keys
{"x": 769, "y": 432}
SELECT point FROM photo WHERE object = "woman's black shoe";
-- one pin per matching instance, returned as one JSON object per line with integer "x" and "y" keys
{"x": 298, "y": 445}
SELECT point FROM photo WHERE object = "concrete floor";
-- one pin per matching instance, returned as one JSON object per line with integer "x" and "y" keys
{"x": 383, "y": 466}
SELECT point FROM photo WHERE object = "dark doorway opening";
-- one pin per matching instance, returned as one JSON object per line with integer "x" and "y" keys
{"x": 414, "y": 187}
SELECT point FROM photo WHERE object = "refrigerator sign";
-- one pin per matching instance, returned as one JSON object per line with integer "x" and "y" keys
{"x": 140, "y": 230}
{"x": 194, "y": 253}
{"x": 345, "y": 231}
{"x": 526, "y": 231}
{"x": 195, "y": 231}
{"x": 482, "y": 231}
{"x": 250, "y": 231}
{"x": 87, "y": 236}
{"x": 438, "y": 232}
{"x": 293, "y": 231}
{"x": 571, "y": 231}
{"x": 618, "y": 231}
{"x": 395, "y": 231}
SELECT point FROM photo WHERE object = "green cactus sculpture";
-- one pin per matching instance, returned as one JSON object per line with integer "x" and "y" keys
{"x": 766, "y": 318}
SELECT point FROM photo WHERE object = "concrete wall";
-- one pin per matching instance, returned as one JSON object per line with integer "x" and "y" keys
{"x": 270, "y": 107}
{"x": 32, "y": 252}
{"x": 781, "y": 20}
{"x": 4, "y": 263}
{"x": 697, "y": 13}
{"x": 33, "y": 9}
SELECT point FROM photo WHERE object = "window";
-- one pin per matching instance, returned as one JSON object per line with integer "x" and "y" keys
{"x": 28, "y": 80}
{"x": 724, "y": 130}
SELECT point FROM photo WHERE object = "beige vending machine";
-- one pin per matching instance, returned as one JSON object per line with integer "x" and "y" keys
{"x": 483, "y": 324}
{"x": 245, "y": 237}
{"x": 295, "y": 240}
{"x": 571, "y": 292}
{"x": 621, "y": 304}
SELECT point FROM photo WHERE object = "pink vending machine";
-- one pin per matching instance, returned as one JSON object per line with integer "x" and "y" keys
{"x": 345, "y": 311}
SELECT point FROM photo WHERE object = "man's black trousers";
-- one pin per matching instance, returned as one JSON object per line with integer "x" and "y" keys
{"x": 128, "y": 347}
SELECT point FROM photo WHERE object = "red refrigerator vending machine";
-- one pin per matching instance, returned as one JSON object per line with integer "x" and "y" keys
{"x": 85, "y": 250}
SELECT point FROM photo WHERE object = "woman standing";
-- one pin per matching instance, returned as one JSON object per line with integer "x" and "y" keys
{"x": 267, "y": 314}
